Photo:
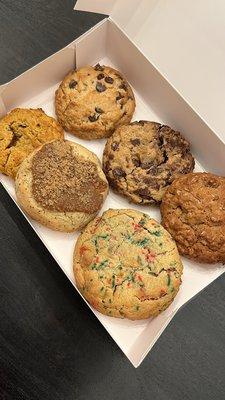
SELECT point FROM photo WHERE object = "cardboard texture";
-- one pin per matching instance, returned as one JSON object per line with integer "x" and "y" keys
{"x": 156, "y": 100}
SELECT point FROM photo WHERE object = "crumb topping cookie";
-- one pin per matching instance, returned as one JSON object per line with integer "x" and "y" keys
{"x": 61, "y": 185}
{"x": 64, "y": 181}
{"x": 92, "y": 101}
{"x": 127, "y": 265}
{"x": 193, "y": 211}
{"x": 142, "y": 159}
{"x": 22, "y": 131}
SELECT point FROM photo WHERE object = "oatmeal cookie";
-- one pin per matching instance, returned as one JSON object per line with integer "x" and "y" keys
{"x": 193, "y": 211}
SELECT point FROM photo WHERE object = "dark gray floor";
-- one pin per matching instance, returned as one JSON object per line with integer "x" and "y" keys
{"x": 51, "y": 346}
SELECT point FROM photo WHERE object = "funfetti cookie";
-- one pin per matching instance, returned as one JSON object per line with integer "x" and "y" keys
{"x": 126, "y": 265}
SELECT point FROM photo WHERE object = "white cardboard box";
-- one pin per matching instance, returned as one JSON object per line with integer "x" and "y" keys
{"x": 156, "y": 100}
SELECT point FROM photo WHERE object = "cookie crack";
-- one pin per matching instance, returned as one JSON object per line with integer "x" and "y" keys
{"x": 141, "y": 299}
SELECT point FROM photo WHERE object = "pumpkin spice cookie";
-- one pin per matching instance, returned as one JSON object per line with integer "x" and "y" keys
{"x": 61, "y": 185}
{"x": 22, "y": 131}
{"x": 193, "y": 211}
{"x": 126, "y": 265}
{"x": 143, "y": 158}
{"x": 92, "y": 101}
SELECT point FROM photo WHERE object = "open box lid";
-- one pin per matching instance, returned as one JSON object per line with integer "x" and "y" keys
{"x": 184, "y": 40}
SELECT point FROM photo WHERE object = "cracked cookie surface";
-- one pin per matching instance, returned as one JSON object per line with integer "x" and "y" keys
{"x": 126, "y": 265}
{"x": 141, "y": 160}
{"x": 22, "y": 131}
{"x": 61, "y": 185}
{"x": 193, "y": 211}
{"x": 92, "y": 101}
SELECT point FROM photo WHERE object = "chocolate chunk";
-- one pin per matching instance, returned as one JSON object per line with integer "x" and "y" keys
{"x": 108, "y": 79}
{"x": 135, "y": 142}
{"x": 119, "y": 97}
{"x": 152, "y": 183}
{"x": 98, "y": 67}
{"x": 100, "y": 76}
{"x": 143, "y": 193}
{"x": 99, "y": 110}
{"x": 176, "y": 141}
{"x": 123, "y": 86}
{"x": 72, "y": 84}
{"x": 93, "y": 117}
{"x": 111, "y": 156}
{"x": 136, "y": 162}
{"x": 114, "y": 146}
{"x": 119, "y": 173}
{"x": 100, "y": 87}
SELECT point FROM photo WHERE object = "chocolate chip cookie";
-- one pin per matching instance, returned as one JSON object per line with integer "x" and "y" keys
{"x": 22, "y": 131}
{"x": 61, "y": 185}
{"x": 193, "y": 211}
{"x": 143, "y": 158}
{"x": 126, "y": 265}
{"x": 92, "y": 101}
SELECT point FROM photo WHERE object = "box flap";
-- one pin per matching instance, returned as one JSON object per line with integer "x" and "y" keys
{"x": 97, "y": 6}
{"x": 184, "y": 40}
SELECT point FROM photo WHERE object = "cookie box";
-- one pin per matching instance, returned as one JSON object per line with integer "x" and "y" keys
{"x": 157, "y": 100}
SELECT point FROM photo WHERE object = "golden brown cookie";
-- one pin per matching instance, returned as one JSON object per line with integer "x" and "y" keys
{"x": 126, "y": 265}
{"x": 193, "y": 211}
{"x": 142, "y": 159}
{"x": 22, "y": 131}
{"x": 92, "y": 101}
{"x": 61, "y": 185}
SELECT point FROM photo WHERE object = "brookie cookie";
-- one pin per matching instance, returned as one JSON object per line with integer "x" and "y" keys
{"x": 126, "y": 265}
{"x": 92, "y": 101}
{"x": 143, "y": 158}
{"x": 193, "y": 211}
{"x": 22, "y": 131}
{"x": 61, "y": 185}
